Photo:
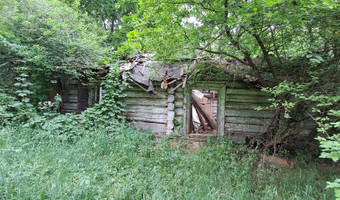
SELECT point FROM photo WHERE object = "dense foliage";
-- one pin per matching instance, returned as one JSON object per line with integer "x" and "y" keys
{"x": 41, "y": 41}
{"x": 118, "y": 162}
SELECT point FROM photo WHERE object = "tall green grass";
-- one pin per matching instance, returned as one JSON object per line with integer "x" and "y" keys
{"x": 121, "y": 163}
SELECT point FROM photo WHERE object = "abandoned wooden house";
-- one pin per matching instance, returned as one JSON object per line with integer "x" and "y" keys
{"x": 166, "y": 99}
{"x": 77, "y": 95}
{"x": 186, "y": 98}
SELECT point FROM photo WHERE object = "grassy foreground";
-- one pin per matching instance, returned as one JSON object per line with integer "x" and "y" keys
{"x": 119, "y": 163}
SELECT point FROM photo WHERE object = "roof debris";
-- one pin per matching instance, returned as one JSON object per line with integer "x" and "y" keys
{"x": 143, "y": 70}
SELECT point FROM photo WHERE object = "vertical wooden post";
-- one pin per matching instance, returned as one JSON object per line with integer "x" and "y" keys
{"x": 171, "y": 114}
{"x": 187, "y": 111}
{"x": 221, "y": 110}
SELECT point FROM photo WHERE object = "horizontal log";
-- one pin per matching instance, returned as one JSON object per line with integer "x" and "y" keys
{"x": 135, "y": 88}
{"x": 244, "y": 106}
{"x": 252, "y": 92}
{"x": 178, "y": 104}
{"x": 68, "y": 105}
{"x": 249, "y": 121}
{"x": 145, "y": 102}
{"x": 146, "y": 117}
{"x": 179, "y": 111}
{"x": 247, "y": 99}
{"x": 214, "y": 84}
{"x": 72, "y": 98}
{"x": 133, "y": 94}
{"x": 155, "y": 127}
{"x": 179, "y": 95}
{"x": 67, "y": 110}
{"x": 146, "y": 109}
{"x": 249, "y": 114}
{"x": 72, "y": 92}
{"x": 230, "y": 128}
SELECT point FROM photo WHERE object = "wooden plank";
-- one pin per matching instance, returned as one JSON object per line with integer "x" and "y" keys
{"x": 155, "y": 127}
{"x": 206, "y": 116}
{"x": 252, "y": 92}
{"x": 229, "y": 127}
{"x": 200, "y": 117}
{"x": 221, "y": 110}
{"x": 133, "y": 94}
{"x": 187, "y": 112}
{"x": 250, "y": 121}
{"x": 145, "y": 102}
{"x": 146, "y": 109}
{"x": 249, "y": 114}
{"x": 146, "y": 117}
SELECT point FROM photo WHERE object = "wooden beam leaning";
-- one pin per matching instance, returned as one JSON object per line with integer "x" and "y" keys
{"x": 210, "y": 120}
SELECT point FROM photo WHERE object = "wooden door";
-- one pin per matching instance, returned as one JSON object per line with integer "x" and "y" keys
{"x": 83, "y": 98}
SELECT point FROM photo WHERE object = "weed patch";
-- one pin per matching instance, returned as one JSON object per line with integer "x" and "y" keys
{"x": 120, "y": 163}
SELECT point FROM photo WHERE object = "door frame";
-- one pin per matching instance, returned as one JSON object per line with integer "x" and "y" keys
{"x": 221, "y": 88}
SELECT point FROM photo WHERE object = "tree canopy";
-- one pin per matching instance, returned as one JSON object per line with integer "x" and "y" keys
{"x": 43, "y": 39}
{"x": 273, "y": 31}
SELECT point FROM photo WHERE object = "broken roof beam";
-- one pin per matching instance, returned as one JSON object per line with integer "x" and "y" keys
{"x": 199, "y": 107}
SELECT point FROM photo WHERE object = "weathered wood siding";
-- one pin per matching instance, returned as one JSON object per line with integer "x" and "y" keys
{"x": 164, "y": 113}
{"x": 240, "y": 117}
{"x": 146, "y": 111}
{"x": 179, "y": 110}
{"x": 70, "y": 97}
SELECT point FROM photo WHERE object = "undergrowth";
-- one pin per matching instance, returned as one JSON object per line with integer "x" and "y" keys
{"x": 118, "y": 162}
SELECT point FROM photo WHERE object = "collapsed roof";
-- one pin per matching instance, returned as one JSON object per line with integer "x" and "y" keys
{"x": 143, "y": 70}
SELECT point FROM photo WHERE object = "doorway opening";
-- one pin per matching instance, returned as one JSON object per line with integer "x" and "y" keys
{"x": 204, "y": 112}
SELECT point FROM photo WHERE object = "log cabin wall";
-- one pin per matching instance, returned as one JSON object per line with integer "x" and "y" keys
{"x": 77, "y": 97}
{"x": 179, "y": 110}
{"x": 146, "y": 111}
{"x": 69, "y": 96}
{"x": 164, "y": 113}
{"x": 241, "y": 118}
